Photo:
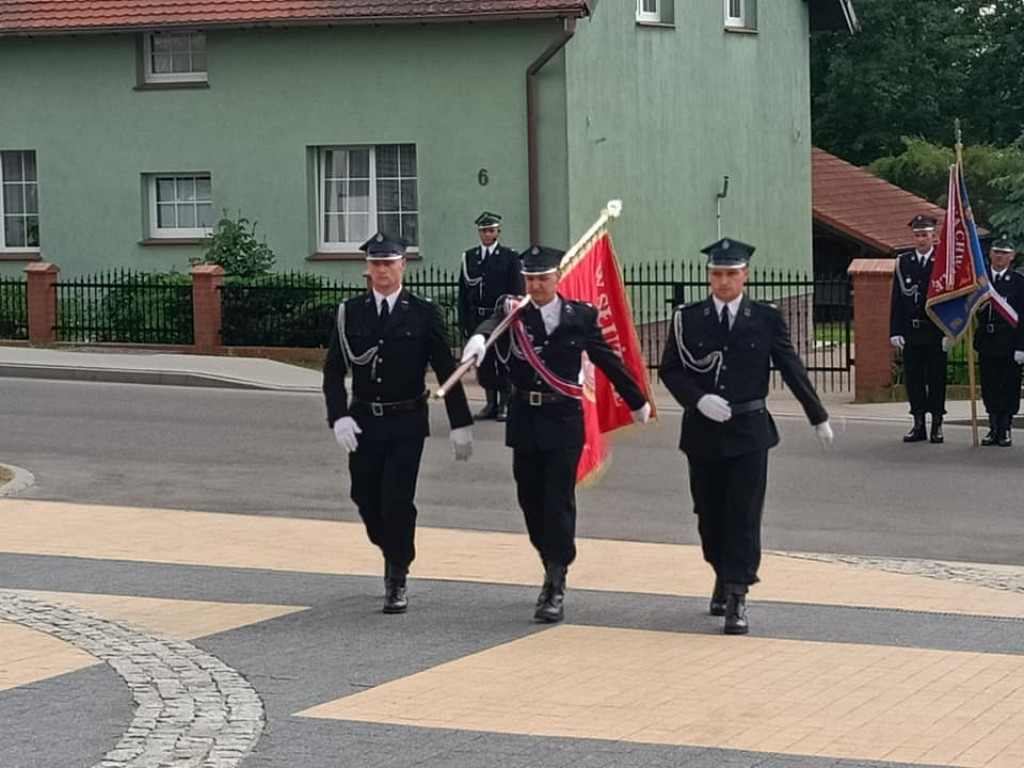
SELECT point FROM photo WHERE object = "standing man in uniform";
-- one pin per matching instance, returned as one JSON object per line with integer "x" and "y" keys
{"x": 716, "y": 364}
{"x": 911, "y": 331}
{"x": 489, "y": 271}
{"x": 385, "y": 338}
{"x": 542, "y": 353}
{"x": 1000, "y": 346}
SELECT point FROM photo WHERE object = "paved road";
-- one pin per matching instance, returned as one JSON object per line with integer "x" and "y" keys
{"x": 270, "y": 453}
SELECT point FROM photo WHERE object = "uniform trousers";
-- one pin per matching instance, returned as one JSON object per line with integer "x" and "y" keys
{"x": 546, "y": 488}
{"x": 924, "y": 366}
{"x": 728, "y": 498}
{"x": 1000, "y": 384}
{"x": 384, "y": 474}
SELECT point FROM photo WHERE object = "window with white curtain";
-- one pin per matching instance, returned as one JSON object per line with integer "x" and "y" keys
{"x": 741, "y": 14}
{"x": 363, "y": 190}
{"x": 19, "y": 203}
{"x": 174, "y": 57}
{"x": 648, "y": 10}
{"x": 180, "y": 205}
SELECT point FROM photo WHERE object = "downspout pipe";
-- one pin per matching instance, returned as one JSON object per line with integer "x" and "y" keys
{"x": 568, "y": 30}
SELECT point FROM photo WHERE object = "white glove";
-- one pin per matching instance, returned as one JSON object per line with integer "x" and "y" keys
{"x": 642, "y": 414}
{"x": 715, "y": 408}
{"x": 824, "y": 434}
{"x": 897, "y": 341}
{"x": 345, "y": 431}
{"x": 475, "y": 349}
{"x": 1018, "y": 357}
{"x": 945, "y": 343}
{"x": 462, "y": 443}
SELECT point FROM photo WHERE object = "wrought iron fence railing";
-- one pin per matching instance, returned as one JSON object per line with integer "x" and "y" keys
{"x": 13, "y": 308}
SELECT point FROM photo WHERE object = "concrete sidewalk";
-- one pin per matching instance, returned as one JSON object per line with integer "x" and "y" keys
{"x": 148, "y": 367}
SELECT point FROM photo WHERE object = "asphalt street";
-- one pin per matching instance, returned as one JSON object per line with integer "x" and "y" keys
{"x": 270, "y": 453}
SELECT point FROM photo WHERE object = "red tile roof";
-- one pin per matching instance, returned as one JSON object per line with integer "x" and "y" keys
{"x": 52, "y": 16}
{"x": 857, "y": 203}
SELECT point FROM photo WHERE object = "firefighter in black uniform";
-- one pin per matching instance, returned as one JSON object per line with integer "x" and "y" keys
{"x": 1000, "y": 346}
{"x": 716, "y": 364}
{"x": 911, "y": 330}
{"x": 542, "y": 357}
{"x": 385, "y": 338}
{"x": 489, "y": 271}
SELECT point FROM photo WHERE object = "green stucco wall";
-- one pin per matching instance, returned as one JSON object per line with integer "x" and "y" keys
{"x": 457, "y": 91}
{"x": 658, "y": 115}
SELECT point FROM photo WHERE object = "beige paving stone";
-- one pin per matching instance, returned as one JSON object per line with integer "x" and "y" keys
{"x": 28, "y": 656}
{"x": 905, "y": 714}
{"x": 321, "y": 546}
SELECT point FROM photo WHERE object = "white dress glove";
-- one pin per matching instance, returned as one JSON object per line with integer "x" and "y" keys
{"x": 1018, "y": 357}
{"x": 715, "y": 408}
{"x": 462, "y": 443}
{"x": 945, "y": 343}
{"x": 475, "y": 350}
{"x": 898, "y": 342}
{"x": 345, "y": 431}
{"x": 824, "y": 434}
{"x": 642, "y": 414}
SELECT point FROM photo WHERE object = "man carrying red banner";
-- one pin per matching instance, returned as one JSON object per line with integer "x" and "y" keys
{"x": 543, "y": 356}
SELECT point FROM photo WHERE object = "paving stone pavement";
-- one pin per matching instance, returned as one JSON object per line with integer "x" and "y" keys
{"x": 192, "y": 710}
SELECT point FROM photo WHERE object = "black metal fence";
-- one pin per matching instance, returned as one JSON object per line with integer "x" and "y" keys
{"x": 13, "y": 308}
{"x": 126, "y": 307}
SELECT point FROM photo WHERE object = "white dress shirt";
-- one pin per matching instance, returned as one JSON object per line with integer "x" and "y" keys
{"x": 734, "y": 307}
{"x": 391, "y": 298}
{"x": 551, "y": 314}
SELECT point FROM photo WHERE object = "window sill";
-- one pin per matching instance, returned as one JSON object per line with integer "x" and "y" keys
{"x": 21, "y": 256}
{"x": 353, "y": 256}
{"x": 172, "y": 86}
{"x": 172, "y": 241}
{"x": 655, "y": 24}
{"x": 741, "y": 30}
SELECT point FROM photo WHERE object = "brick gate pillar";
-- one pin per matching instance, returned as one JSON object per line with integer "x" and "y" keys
{"x": 206, "y": 310}
{"x": 873, "y": 355}
{"x": 42, "y": 302}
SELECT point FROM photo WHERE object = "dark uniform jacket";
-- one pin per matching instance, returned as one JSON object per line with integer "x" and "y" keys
{"x": 413, "y": 337}
{"x": 499, "y": 274}
{"x": 992, "y": 334}
{"x": 736, "y": 367}
{"x": 557, "y": 425}
{"x": 907, "y": 317}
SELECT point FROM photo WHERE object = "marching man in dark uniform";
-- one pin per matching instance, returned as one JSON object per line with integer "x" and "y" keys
{"x": 542, "y": 355}
{"x": 385, "y": 338}
{"x": 911, "y": 330}
{"x": 716, "y": 364}
{"x": 489, "y": 271}
{"x": 1000, "y": 346}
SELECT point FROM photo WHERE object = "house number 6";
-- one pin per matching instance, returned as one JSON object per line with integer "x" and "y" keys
{"x": 482, "y": 177}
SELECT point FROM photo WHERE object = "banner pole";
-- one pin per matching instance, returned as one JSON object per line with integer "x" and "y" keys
{"x": 972, "y": 389}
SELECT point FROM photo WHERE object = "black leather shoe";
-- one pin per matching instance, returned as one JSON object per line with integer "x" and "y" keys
{"x": 718, "y": 599}
{"x": 552, "y": 609}
{"x": 395, "y": 598}
{"x": 936, "y": 435}
{"x": 501, "y": 414}
{"x": 1003, "y": 437}
{"x": 993, "y": 430}
{"x": 487, "y": 412}
{"x": 916, "y": 433}
{"x": 736, "y": 615}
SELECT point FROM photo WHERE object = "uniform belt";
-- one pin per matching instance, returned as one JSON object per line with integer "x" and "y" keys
{"x": 484, "y": 311}
{"x": 531, "y": 397}
{"x": 990, "y": 328}
{"x": 397, "y": 406}
{"x": 915, "y": 323}
{"x": 748, "y": 407}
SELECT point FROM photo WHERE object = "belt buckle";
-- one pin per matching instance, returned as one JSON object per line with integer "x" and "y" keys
{"x": 536, "y": 398}
{"x": 377, "y": 409}
{"x": 991, "y": 327}
{"x": 915, "y": 323}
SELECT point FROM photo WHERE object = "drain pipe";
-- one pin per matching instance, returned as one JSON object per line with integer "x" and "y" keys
{"x": 569, "y": 29}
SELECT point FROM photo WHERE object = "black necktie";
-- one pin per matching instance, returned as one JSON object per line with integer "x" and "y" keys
{"x": 725, "y": 319}
{"x": 384, "y": 312}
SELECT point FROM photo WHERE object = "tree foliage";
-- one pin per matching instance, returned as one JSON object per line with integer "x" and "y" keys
{"x": 235, "y": 247}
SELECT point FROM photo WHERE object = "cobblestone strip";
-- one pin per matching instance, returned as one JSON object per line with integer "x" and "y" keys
{"x": 1009, "y": 578}
{"x": 192, "y": 710}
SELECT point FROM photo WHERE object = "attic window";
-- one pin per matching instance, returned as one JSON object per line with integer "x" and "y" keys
{"x": 174, "y": 57}
{"x": 654, "y": 12}
{"x": 741, "y": 15}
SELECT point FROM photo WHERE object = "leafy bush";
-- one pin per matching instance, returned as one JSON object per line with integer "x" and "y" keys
{"x": 235, "y": 247}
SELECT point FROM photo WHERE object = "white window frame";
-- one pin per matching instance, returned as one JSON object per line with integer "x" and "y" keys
{"x": 736, "y": 21}
{"x": 151, "y": 76}
{"x": 4, "y": 247}
{"x": 651, "y": 16}
{"x": 158, "y": 232}
{"x": 351, "y": 246}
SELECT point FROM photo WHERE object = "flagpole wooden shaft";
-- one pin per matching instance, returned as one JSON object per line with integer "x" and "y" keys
{"x": 971, "y": 388}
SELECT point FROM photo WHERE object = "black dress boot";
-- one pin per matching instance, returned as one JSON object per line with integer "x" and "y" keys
{"x": 501, "y": 414}
{"x": 936, "y": 435}
{"x": 1004, "y": 438}
{"x": 916, "y": 433}
{"x": 993, "y": 431}
{"x": 736, "y": 614}
{"x": 553, "y": 608}
{"x": 395, "y": 598}
{"x": 545, "y": 589}
{"x": 490, "y": 410}
{"x": 718, "y": 599}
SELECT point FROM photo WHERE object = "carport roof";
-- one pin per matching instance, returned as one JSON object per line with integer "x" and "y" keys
{"x": 65, "y": 16}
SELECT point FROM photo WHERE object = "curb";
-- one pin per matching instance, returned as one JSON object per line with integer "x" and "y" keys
{"x": 122, "y": 376}
{"x": 22, "y": 479}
